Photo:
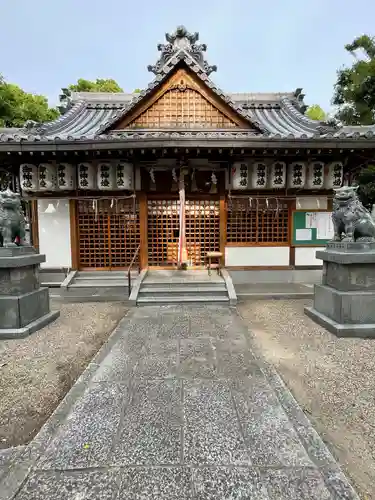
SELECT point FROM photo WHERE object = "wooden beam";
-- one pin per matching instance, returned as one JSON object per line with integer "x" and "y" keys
{"x": 143, "y": 251}
{"x": 34, "y": 224}
{"x": 74, "y": 234}
{"x": 223, "y": 226}
{"x": 292, "y": 250}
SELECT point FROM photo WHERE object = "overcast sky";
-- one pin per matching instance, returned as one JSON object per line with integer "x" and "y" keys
{"x": 257, "y": 45}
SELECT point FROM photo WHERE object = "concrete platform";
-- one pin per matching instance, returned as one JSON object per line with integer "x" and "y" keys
{"x": 177, "y": 405}
{"x": 269, "y": 291}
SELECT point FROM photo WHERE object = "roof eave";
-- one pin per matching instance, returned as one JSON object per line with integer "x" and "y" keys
{"x": 167, "y": 142}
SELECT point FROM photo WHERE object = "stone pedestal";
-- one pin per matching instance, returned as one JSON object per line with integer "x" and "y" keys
{"x": 24, "y": 305}
{"x": 345, "y": 301}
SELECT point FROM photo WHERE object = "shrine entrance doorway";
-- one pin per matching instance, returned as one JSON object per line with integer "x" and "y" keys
{"x": 202, "y": 229}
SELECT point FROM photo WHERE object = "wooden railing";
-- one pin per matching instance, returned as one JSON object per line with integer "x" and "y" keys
{"x": 130, "y": 268}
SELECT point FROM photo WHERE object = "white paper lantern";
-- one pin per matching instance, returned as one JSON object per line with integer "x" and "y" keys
{"x": 297, "y": 175}
{"x": 240, "y": 175}
{"x": 105, "y": 176}
{"x": 86, "y": 176}
{"x": 315, "y": 175}
{"x": 278, "y": 175}
{"x": 334, "y": 175}
{"x": 29, "y": 177}
{"x": 47, "y": 177}
{"x": 259, "y": 175}
{"x": 66, "y": 176}
{"x": 124, "y": 176}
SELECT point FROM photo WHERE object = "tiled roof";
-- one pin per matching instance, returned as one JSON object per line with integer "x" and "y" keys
{"x": 89, "y": 116}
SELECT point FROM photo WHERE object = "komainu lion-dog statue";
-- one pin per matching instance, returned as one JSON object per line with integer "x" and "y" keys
{"x": 12, "y": 220}
{"x": 351, "y": 220}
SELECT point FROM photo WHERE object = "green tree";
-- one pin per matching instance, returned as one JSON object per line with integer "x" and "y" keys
{"x": 137, "y": 91}
{"x": 366, "y": 183}
{"x": 354, "y": 92}
{"x": 18, "y": 106}
{"x": 99, "y": 85}
{"x": 315, "y": 112}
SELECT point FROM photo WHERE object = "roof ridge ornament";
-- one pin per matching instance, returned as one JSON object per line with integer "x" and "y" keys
{"x": 181, "y": 41}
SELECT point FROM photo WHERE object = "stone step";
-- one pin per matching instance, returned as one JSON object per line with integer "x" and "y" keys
{"x": 181, "y": 299}
{"x": 103, "y": 274}
{"x": 50, "y": 284}
{"x": 91, "y": 291}
{"x": 171, "y": 289}
{"x": 97, "y": 283}
{"x": 99, "y": 277}
{"x": 71, "y": 298}
{"x": 184, "y": 283}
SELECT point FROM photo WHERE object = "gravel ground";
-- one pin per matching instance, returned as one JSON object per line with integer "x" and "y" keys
{"x": 332, "y": 379}
{"x": 37, "y": 372}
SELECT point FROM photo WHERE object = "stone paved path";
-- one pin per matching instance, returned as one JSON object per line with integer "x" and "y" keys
{"x": 178, "y": 406}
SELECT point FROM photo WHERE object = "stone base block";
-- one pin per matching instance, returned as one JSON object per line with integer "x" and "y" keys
{"x": 345, "y": 307}
{"x": 339, "y": 329}
{"x": 34, "y": 326}
{"x": 17, "y": 311}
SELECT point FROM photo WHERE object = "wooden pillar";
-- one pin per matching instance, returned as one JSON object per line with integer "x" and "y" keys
{"x": 34, "y": 223}
{"x": 143, "y": 251}
{"x": 223, "y": 226}
{"x": 74, "y": 233}
{"x": 292, "y": 250}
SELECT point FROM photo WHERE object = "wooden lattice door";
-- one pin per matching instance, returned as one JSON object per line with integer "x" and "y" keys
{"x": 202, "y": 222}
{"x": 163, "y": 227}
{"x": 108, "y": 233}
{"x": 202, "y": 229}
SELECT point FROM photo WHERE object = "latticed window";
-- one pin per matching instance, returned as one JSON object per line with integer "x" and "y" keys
{"x": 252, "y": 221}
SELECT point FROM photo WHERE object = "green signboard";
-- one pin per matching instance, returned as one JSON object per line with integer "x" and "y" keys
{"x": 311, "y": 228}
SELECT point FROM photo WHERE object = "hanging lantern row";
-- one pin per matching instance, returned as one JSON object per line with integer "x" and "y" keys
{"x": 279, "y": 175}
{"x": 104, "y": 176}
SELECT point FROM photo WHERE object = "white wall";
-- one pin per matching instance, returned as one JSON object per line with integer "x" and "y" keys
{"x": 54, "y": 232}
{"x": 305, "y": 256}
{"x": 256, "y": 256}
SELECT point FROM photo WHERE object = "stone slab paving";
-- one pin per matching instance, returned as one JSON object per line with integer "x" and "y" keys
{"x": 178, "y": 405}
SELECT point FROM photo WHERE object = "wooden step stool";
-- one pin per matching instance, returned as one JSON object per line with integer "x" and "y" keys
{"x": 214, "y": 265}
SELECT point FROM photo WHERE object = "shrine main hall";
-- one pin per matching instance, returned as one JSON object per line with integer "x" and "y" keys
{"x": 162, "y": 177}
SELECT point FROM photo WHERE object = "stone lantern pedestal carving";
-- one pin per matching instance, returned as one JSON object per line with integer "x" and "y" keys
{"x": 345, "y": 301}
{"x": 24, "y": 305}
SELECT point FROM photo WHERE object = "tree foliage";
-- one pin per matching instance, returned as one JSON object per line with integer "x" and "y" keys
{"x": 99, "y": 85}
{"x": 366, "y": 183}
{"x": 315, "y": 112}
{"x": 18, "y": 106}
{"x": 354, "y": 91}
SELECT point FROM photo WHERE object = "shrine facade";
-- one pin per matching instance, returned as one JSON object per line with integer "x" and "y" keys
{"x": 124, "y": 175}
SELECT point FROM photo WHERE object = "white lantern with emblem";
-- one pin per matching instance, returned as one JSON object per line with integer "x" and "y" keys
{"x": 66, "y": 176}
{"x": 47, "y": 177}
{"x": 315, "y": 175}
{"x": 240, "y": 175}
{"x": 335, "y": 175}
{"x": 86, "y": 176}
{"x": 278, "y": 175}
{"x": 106, "y": 176}
{"x": 297, "y": 175}
{"x": 124, "y": 176}
{"x": 29, "y": 177}
{"x": 259, "y": 175}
